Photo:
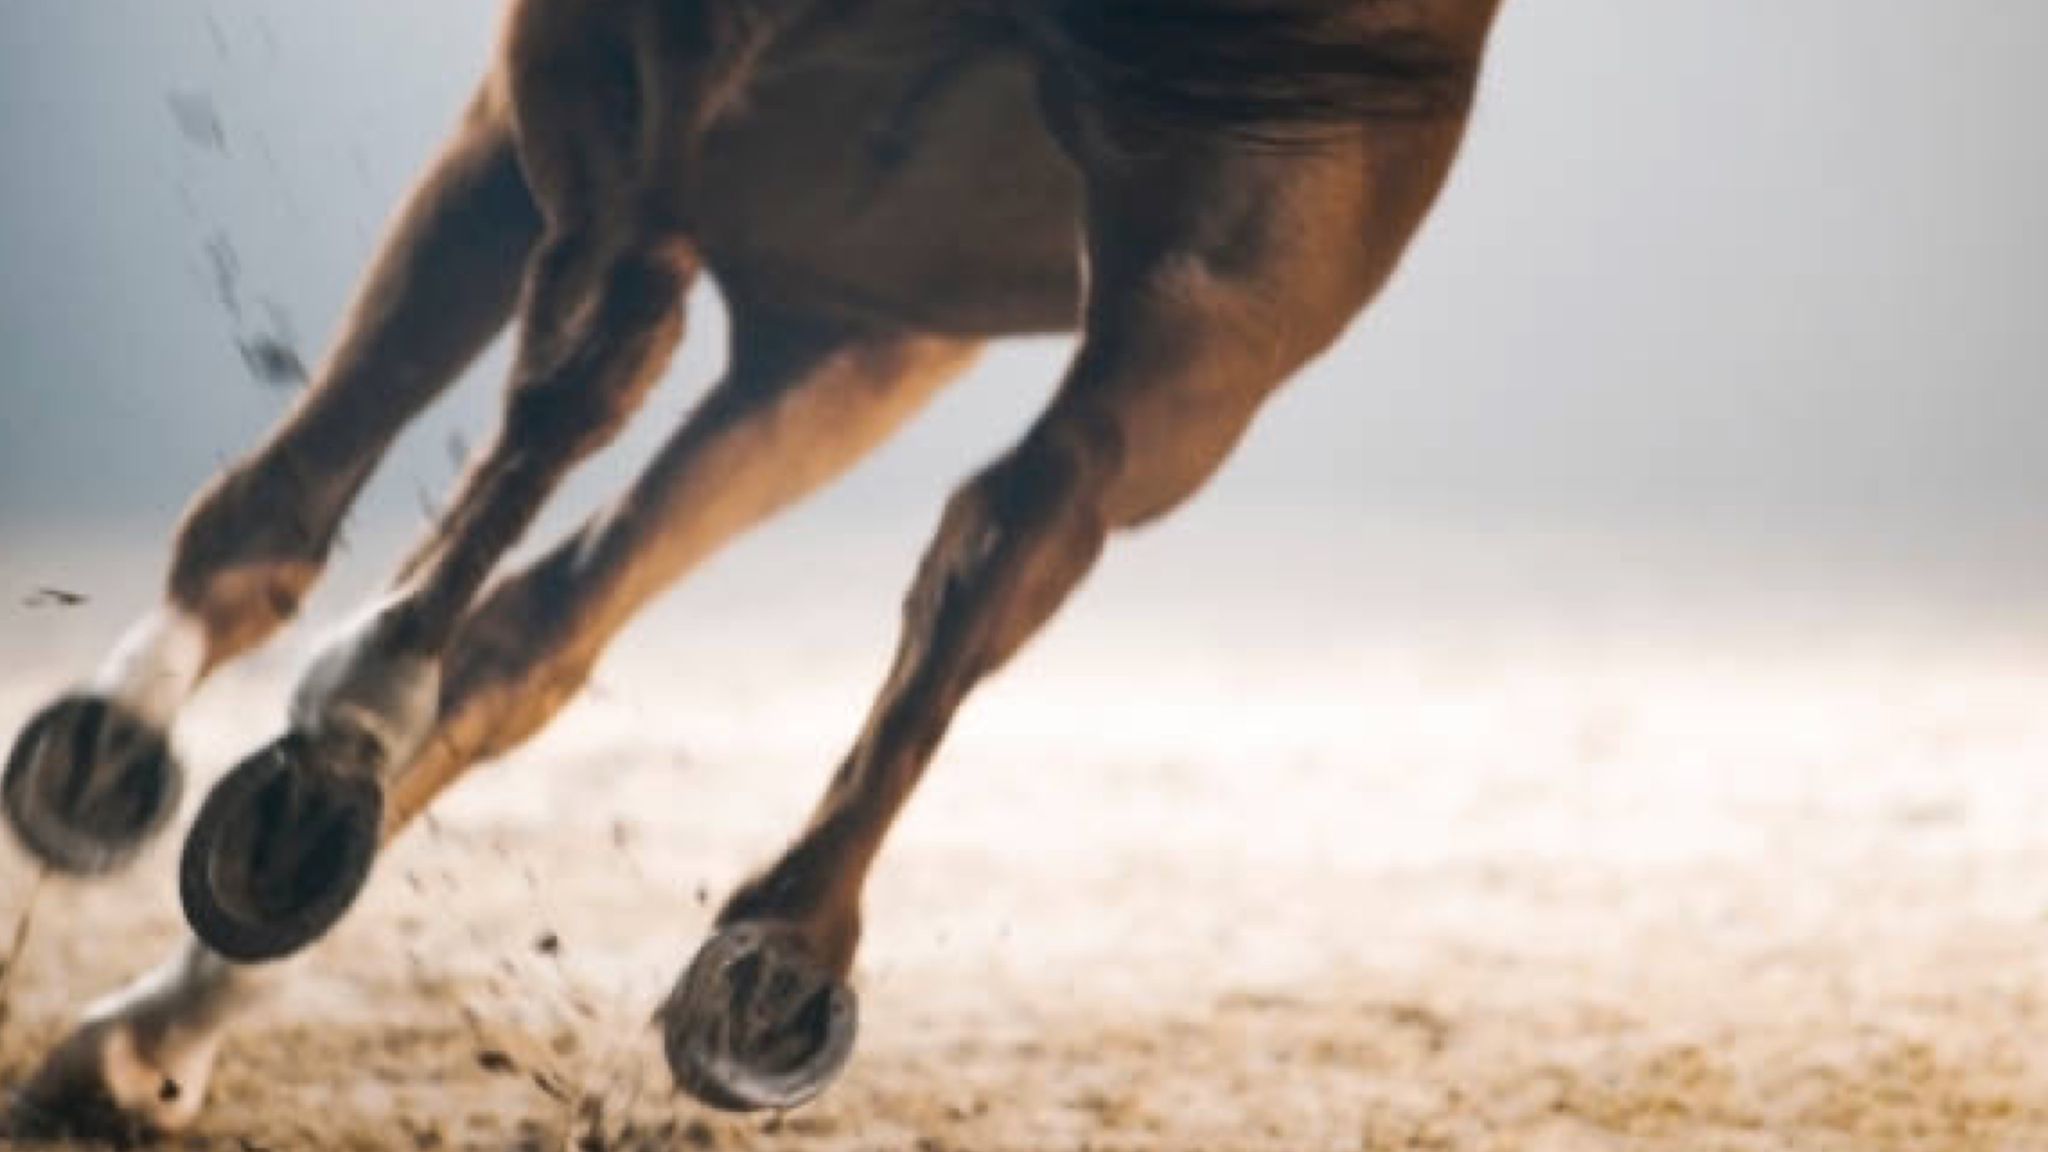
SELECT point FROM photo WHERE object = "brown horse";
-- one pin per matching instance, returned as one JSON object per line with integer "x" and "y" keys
{"x": 1209, "y": 189}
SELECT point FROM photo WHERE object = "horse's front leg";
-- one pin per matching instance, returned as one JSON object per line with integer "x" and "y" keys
{"x": 91, "y": 777}
{"x": 284, "y": 842}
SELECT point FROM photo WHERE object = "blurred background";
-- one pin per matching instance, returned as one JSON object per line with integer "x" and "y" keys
{"x": 1627, "y": 648}
{"x": 1712, "y": 269}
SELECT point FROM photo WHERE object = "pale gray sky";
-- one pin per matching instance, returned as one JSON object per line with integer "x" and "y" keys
{"x": 1704, "y": 260}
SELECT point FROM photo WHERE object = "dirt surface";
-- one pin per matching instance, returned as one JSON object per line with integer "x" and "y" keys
{"x": 1674, "y": 890}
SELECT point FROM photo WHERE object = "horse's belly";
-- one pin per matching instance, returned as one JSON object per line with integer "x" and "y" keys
{"x": 929, "y": 196}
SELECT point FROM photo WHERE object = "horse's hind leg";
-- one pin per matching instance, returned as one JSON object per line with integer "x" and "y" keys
{"x": 801, "y": 403}
{"x": 91, "y": 776}
{"x": 139, "y": 1061}
{"x": 1215, "y": 272}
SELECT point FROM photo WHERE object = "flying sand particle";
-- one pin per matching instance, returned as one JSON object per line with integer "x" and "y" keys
{"x": 272, "y": 360}
{"x": 198, "y": 120}
{"x": 54, "y": 598}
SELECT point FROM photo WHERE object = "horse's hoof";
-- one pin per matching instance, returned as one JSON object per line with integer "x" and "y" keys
{"x": 281, "y": 847}
{"x": 96, "y": 1086}
{"x": 88, "y": 783}
{"x": 755, "y": 1022}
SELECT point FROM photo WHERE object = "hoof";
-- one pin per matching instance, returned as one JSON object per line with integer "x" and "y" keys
{"x": 88, "y": 784}
{"x": 281, "y": 848}
{"x": 94, "y": 1086}
{"x": 755, "y": 1022}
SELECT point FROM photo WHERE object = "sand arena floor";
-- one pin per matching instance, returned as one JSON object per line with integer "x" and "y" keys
{"x": 1586, "y": 883}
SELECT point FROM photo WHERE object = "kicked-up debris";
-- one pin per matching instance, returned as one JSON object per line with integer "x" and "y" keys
{"x": 272, "y": 360}
{"x": 198, "y": 120}
{"x": 54, "y": 598}
{"x": 497, "y": 1062}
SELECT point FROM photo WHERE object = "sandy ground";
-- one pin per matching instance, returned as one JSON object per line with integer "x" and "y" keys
{"x": 1196, "y": 876}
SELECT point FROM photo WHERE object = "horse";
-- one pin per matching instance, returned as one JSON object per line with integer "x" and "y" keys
{"x": 1206, "y": 191}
